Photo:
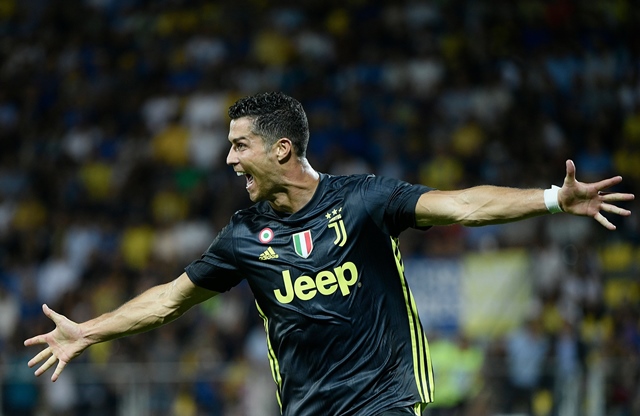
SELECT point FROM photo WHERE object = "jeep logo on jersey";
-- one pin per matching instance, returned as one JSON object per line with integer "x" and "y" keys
{"x": 303, "y": 244}
{"x": 326, "y": 283}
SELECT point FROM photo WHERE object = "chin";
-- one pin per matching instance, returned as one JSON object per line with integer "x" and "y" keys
{"x": 255, "y": 197}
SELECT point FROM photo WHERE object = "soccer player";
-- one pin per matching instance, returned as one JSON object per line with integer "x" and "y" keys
{"x": 320, "y": 253}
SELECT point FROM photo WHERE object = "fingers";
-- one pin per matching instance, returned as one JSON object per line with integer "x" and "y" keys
{"x": 571, "y": 171}
{"x": 607, "y": 183}
{"x": 616, "y": 197}
{"x": 50, "y": 313}
{"x": 48, "y": 352}
{"x": 34, "y": 341}
{"x": 605, "y": 222}
{"x": 39, "y": 339}
{"x": 47, "y": 365}
{"x": 601, "y": 185}
{"x": 41, "y": 356}
{"x": 606, "y": 199}
{"x": 615, "y": 209}
{"x": 59, "y": 368}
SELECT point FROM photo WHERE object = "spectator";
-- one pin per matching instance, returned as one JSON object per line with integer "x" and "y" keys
{"x": 527, "y": 350}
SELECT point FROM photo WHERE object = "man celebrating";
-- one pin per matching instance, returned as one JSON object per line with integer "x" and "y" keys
{"x": 320, "y": 253}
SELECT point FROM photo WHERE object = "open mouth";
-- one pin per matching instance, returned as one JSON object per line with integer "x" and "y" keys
{"x": 248, "y": 177}
{"x": 249, "y": 180}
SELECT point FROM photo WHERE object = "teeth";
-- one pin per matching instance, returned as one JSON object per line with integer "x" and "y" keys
{"x": 240, "y": 173}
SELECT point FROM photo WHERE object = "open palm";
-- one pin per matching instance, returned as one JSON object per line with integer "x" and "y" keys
{"x": 64, "y": 343}
{"x": 589, "y": 199}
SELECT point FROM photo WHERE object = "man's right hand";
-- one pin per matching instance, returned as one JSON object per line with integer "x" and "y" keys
{"x": 64, "y": 344}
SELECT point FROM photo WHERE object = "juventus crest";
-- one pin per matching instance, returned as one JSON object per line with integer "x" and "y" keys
{"x": 337, "y": 223}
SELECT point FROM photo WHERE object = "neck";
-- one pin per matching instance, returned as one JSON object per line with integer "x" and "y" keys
{"x": 299, "y": 186}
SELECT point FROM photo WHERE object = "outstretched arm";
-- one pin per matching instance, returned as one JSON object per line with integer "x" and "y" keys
{"x": 154, "y": 307}
{"x": 484, "y": 205}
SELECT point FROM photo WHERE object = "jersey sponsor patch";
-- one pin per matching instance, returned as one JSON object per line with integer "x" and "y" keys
{"x": 324, "y": 283}
{"x": 303, "y": 244}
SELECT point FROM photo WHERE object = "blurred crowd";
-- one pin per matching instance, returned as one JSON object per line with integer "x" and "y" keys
{"x": 112, "y": 179}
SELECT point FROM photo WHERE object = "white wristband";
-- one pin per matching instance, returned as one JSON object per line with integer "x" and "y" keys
{"x": 551, "y": 199}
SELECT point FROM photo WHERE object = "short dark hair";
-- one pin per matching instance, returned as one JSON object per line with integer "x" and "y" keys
{"x": 275, "y": 115}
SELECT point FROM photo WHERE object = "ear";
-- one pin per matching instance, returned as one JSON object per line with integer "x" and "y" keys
{"x": 283, "y": 149}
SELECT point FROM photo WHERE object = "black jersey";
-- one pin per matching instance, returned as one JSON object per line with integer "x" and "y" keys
{"x": 343, "y": 331}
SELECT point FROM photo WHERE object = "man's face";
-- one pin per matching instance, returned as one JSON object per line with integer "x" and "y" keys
{"x": 249, "y": 157}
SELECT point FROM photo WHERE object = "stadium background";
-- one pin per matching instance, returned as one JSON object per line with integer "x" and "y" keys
{"x": 112, "y": 178}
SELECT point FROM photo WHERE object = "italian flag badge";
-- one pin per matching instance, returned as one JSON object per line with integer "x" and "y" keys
{"x": 303, "y": 243}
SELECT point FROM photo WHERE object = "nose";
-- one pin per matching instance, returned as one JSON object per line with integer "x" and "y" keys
{"x": 231, "y": 157}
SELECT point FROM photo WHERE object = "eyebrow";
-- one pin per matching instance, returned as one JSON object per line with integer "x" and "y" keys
{"x": 237, "y": 139}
